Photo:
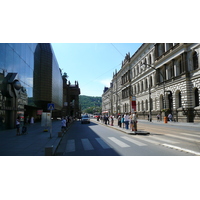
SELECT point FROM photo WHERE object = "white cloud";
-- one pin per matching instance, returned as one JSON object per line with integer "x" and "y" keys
{"x": 106, "y": 82}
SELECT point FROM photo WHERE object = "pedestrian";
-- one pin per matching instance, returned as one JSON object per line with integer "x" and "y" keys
{"x": 131, "y": 122}
{"x": 122, "y": 121}
{"x": 105, "y": 120}
{"x": 170, "y": 117}
{"x": 32, "y": 120}
{"x": 119, "y": 121}
{"x": 126, "y": 120}
{"x": 63, "y": 127}
{"x": 134, "y": 118}
{"x": 158, "y": 117}
{"x": 18, "y": 125}
{"x": 112, "y": 120}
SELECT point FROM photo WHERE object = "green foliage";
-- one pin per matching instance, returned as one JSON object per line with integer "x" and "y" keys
{"x": 90, "y": 104}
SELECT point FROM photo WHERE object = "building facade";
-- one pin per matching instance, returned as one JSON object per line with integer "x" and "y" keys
{"x": 27, "y": 71}
{"x": 163, "y": 78}
{"x": 71, "y": 94}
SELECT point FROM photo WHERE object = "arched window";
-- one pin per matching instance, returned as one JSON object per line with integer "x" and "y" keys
{"x": 196, "y": 97}
{"x": 161, "y": 102}
{"x": 179, "y": 100}
{"x": 142, "y": 106}
{"x": 142, "y": 87}
{"x": 150, "y": 60}
{"x": 146, "y": 84}
{"x": 195, "y": 60}
{"x": 150, "y": 81}
{"x": 146, "y": 105}
{"x": 138, "y": 106}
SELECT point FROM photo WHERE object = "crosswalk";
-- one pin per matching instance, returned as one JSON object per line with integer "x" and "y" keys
{"x": 129, "y": 141}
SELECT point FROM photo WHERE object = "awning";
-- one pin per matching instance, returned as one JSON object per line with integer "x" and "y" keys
{"x": 105, "y": 112}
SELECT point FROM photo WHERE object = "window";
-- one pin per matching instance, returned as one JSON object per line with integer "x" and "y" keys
{"x": 195, "y": 60}
{"x": 150, "y": 81}
{"x": 150, "y": 61}
{"x": 196, "y": 97}
{"x": 179, "y": 100}
{"x": 146, "y": 105}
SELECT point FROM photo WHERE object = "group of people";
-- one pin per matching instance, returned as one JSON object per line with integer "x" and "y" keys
{"x": 124, "y": 121}
{"x": 64, "y": 123}
{"x": 128, "y": 121}
{"x": 23, "y": 126}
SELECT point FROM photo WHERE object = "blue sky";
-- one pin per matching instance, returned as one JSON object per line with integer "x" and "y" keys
{"x": 92, "y": 64}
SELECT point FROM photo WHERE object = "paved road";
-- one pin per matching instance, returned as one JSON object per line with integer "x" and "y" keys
{"x": 96, "y": 139}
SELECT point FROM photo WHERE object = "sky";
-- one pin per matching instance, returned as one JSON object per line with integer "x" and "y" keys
{"x": 92, "y": 64}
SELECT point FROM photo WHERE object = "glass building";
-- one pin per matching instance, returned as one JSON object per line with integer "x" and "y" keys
{"x": 28, "y": 71}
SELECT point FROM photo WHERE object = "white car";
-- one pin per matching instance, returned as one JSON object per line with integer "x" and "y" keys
{"x": 85, "y": 119}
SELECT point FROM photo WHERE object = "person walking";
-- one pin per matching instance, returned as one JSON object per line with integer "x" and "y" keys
{"x": 126, "y": 120}
{"x": 170, "y": 117}
{"x": 119, "y": 121}
{"x": 134, "y": 119}
{"x": 63, "y": 127}
{"x": 122, "y": 121}
{"x": 158, "y": 117}
{"x": 18, "y": 125}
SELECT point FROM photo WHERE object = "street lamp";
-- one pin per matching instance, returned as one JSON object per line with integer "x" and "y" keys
{"x": 150, "y": 91}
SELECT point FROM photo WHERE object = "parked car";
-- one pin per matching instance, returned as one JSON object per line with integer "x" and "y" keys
{"x": 85, "y": 119}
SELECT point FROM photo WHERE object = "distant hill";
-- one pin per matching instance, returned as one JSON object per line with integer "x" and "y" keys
{"x": 90, "y": 104}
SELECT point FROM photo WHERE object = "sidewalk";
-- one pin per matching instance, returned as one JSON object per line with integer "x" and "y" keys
{"x": 192, "y": 124}
{"x": 31, "y": 144}
{"x": 124, "y": 130}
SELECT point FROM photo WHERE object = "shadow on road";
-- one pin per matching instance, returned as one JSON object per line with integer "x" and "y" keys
{"x": 79, "y": 132}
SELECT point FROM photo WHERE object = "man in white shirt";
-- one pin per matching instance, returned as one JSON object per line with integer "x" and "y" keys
{"x": 126, "y": 120}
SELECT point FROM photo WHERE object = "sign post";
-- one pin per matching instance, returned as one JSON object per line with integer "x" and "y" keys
{"x": 50, "y": 107}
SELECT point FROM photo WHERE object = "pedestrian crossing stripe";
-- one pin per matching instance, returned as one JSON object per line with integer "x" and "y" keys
{"x": 102, "y": 143}
{"x": 118, "y": 142}
{"x": 133, "y": 141}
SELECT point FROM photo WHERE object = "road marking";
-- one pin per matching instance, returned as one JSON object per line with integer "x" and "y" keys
{"x": 133, "y": 141}
{"x": 147, "y": 140}
{"x": 165, "y": 140}
{"x": 87, "y": 145}
{"x": 181, "y": 149}
{"x": 181, "y": 137}
{"x": 70, "y": 146}
{"x": 118, "y": 142}
{"x": 190, "y": 134}
{"x": 102, "y": 143}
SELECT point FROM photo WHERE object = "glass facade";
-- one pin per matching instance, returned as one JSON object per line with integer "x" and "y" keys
{"x": 35, "y": 66}
{"x": 18, "y": 58}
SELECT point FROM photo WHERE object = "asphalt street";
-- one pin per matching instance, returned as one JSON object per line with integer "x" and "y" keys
{"x": 97, "y": 139}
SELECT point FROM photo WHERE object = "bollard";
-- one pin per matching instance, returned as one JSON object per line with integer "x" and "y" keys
{"x": 49, "y": 151}
{"x": 60, "y": 134}
{"x": 165, "y": 120}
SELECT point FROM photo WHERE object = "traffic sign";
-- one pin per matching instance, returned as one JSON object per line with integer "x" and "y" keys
{"x": 50, "y": 106}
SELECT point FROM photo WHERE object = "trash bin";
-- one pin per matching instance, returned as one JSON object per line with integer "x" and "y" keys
{"x": 49, "y": 151}
{"x": 165, "y": 120}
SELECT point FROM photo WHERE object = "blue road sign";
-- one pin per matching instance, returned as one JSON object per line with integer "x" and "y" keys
{"x": 50, "y": 106}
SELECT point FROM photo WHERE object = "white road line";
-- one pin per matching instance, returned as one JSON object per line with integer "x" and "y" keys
{"x": 133, "y": 141}
{"x": 164, "y": 140}
{"x": 190, "y": 134}
{"x": 102, "y": 143}
{"x": 70, "y": 147}
{"x": 181, "y": 149}
{"x": 181, "y": 137}
{"x": 87, "y": 145}
{"x": 118, "y": 142}
{"x": 147, "y": 140}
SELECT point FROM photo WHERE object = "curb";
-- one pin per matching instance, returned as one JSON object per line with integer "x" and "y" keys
{"x": 124, "y": 131}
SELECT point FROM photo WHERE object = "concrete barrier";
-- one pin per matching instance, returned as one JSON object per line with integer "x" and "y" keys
{"x": 49, "y": 151}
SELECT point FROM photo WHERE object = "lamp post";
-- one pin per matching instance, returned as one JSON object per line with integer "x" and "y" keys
{"x": 164, "y": 100}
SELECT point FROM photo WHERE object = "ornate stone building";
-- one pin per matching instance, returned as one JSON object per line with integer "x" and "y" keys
{"x": 163, "y": 78}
